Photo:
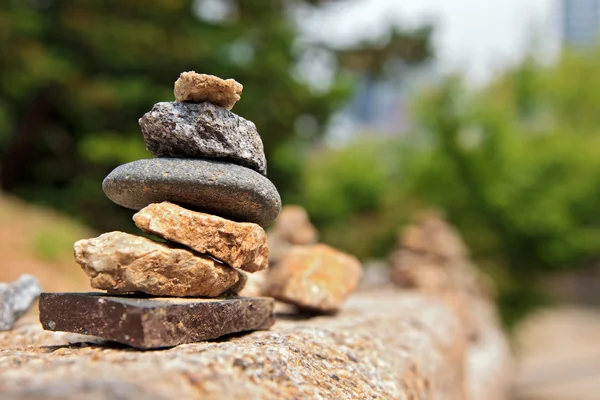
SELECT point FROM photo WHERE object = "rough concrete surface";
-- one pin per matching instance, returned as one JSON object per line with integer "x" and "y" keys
{"x": 384, "y": 344}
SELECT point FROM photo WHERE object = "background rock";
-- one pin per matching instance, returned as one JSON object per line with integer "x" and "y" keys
{"x": 433, "y": 258}
{"x": 316, "y": 277}
{"x": 292, "y": 227}
{"x": 432, "y": 235}
{"x": 119, "y": 263}
{"x": 16, "y": 298}
{"x": 238, "y": 244}
{"x": 191, "y": 130}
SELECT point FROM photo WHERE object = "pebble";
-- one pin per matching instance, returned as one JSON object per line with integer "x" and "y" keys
{"x": 198, "y": 88}
{"x": 316, "y": 277}
{"x": 212, "y": 187}
{"x": 16, "y": 299}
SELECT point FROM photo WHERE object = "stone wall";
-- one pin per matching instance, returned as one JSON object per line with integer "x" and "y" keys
{"x": 386, "y": 343}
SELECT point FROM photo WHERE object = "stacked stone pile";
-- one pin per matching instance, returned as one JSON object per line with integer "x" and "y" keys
{"x": 432, "y": 258}
{"x": 431, "y": 255}
{"x": 207, "y": 196}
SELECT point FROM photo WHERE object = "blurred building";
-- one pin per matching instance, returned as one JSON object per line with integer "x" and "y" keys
{"x": 383, "y": 108}
{"x": 580, "y": 22}
{"x": 380, "y": 108}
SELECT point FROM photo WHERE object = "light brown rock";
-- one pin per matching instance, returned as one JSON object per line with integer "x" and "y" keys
{"x": 292, "y": 227}
{"x": 433, "y": 235}
{"x": 432, "y": 256}
{"x": 238, "y": 244}
{"x": 119, "y": 263}
{"x": 316, "y": 277}
{"x": 199, "y": 88}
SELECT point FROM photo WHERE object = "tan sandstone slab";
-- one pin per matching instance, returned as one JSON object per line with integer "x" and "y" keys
{"x": 239, "y": 244}
{"x": 119, "y": 263}
{"x": 199, "y": 88}
{"x": 316, "y": 277}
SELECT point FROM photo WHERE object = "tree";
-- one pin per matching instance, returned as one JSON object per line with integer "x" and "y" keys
{"x": 76, "y": 76}
{"x": 517, "y": 167}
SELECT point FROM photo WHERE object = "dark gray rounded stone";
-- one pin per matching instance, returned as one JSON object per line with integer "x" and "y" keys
{"x": 202, "y": 130}
{"x": 213, "y": 187}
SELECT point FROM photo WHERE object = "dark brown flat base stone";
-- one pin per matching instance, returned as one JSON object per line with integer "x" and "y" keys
{"x": 153, "y": 322}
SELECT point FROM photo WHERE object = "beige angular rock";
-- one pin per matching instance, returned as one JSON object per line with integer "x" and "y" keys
{"x": 316, "y": 277}
{"x": 292, "y": 227}
{"x": 119, "y": 262}
{"x": 432, "y": 256}
{"x": 255, "y": 284}
{"x": 199, "y": 88}
{"x": 238, "y": 244}
{"x": 433, "y": 235}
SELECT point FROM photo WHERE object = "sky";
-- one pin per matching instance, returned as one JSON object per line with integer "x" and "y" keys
{"x": 477, "y": 37}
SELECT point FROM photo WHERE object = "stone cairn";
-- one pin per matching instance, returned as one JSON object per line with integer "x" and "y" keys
{"x": 206, "y": 194}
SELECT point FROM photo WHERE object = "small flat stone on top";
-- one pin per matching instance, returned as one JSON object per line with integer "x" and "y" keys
{"x": 199, "y": 88}
{"x": 152, "y": 323}
{"x": 238, "y": 244}
{"x": 191, "y": 130}
{"x": 214, "y": 187}
{"x": 120, "y": 263}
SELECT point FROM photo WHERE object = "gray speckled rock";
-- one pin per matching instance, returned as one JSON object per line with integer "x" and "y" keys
{"x": 16, "y": 298}
{"x": 202, "y": 130}
{"x": 213, "y": 187}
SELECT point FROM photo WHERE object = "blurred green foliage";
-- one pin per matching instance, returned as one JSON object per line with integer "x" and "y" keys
{"x": 49, "y": 243}
{"x": 515, "y": 165}
{"x": 76, "y": 76}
